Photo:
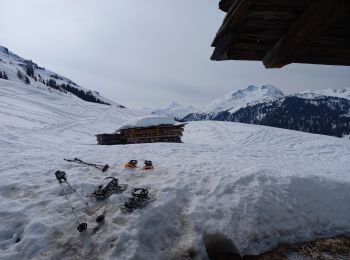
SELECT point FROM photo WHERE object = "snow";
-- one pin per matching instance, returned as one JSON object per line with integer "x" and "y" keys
{"x": 237, "y": 99}
{"x": 174, "y": 110}
{"x": 149, "y": 121}
{"x": 254, "y": 94}
{"x": 340, "y": 93}
{"x": 250, "y": 185}
{"x": 11, "y": 63}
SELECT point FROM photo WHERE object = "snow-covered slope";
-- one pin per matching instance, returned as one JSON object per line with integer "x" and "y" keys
{"x": 21, "y": 70}
{"x": 244, "y": 187}
{"x": 237, "y": 99}
{"x": 174, "y": 110}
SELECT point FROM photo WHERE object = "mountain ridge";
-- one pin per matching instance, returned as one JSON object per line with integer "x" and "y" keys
{"x": 18, "y": 69}
{"x": 323, "y": 112}
{"x": 174, "y": 110}
{"x": 236, "y": 99}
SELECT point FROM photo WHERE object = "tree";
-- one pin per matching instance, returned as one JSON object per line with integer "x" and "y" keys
{"x": 27, "y": 81}
{"x": 19, "y": 74}
{"x": 30, "y": 70}
{"x": 5, "y": 75}
{"x": 1, "y": 76}
{"x": 35, "y": 78}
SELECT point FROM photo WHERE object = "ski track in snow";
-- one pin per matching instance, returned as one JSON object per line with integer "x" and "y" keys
{"x": 251, "y": 185}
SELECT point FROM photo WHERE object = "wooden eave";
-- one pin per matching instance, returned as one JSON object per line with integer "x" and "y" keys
{"x": 280, "y": 32}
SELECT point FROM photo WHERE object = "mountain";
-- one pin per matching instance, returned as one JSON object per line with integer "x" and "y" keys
{"x": 174, "y": 110}
{"x": 340, "y": 93}
{"x": 324, "y": 112}
{"x": 237, "y": 99}
{"x": 321, "y": 115}
{"x": 17, "y": 69}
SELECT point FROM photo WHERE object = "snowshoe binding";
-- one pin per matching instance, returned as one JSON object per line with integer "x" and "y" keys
{"x": 132, "y": 164}
{"x": 104, "y": 191}
{"x": 148, "y": 165}
{"x": 140, "y": 198}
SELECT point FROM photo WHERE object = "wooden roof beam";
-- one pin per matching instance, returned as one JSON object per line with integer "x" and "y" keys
{"x": 234, "y": 17}
{"x": 314, "y": 21}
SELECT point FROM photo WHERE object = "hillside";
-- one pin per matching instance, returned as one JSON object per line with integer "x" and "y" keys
{"x": 20, "y": 70}
{"x": 245, "y": 187}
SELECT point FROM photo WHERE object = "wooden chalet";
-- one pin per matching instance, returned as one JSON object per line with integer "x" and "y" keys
{"x": 280, "y": 32}
{"x": 171, "y": 133}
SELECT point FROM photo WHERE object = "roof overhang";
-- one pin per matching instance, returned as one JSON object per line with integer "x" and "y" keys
{"x": 280, "y": 32}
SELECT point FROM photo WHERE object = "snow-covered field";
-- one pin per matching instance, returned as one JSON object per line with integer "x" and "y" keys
{"x": 229, "y": 186}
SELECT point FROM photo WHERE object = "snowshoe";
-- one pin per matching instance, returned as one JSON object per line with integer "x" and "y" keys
{"x": 140, "y": 198}
{"x": 104, "y": 191}
{"x": 148, "y": 165}
{"x": 131, "y": 164}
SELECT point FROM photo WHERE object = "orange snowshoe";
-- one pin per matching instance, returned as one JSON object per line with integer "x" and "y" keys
{"x": 132, "y": 164}
{"x": 148, "y": 165}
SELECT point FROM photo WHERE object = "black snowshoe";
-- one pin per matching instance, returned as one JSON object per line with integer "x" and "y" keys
{"x": 140, "y": 198}
{"x": 104, "y": 191}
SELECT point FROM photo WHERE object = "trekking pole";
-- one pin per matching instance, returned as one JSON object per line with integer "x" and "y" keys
{"x": 97, "y": 166}
{"x": 61, "y": 176}
{"x": 99, "y": 218}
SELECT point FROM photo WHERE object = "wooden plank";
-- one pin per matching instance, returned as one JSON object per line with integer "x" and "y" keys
{"x": 316, "y": 20}
{"x": 266, "y": 24}
{"x": 323, "y": 60}
{"x": 282, "y": 3}
{"x": 245, "y": 55}
{"x": 331, "y": 43}
{"x": 235, "y": 16}
{"x": 160, "y": 133}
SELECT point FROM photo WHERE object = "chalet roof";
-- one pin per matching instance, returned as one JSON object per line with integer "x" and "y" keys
{"x": 279, "y": 32}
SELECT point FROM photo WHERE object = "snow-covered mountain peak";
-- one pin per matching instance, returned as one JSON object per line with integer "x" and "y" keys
{"x": 310, "y": 94}
{"x": 341, "y": 93}
{"x": 174, "y": 110}
{"x": 261, "y": 90}
{"x": 237, "y": 99}
{"x": 174, "y": 105}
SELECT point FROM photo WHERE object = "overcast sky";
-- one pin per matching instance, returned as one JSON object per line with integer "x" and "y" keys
{"x": 143, "y": 53}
